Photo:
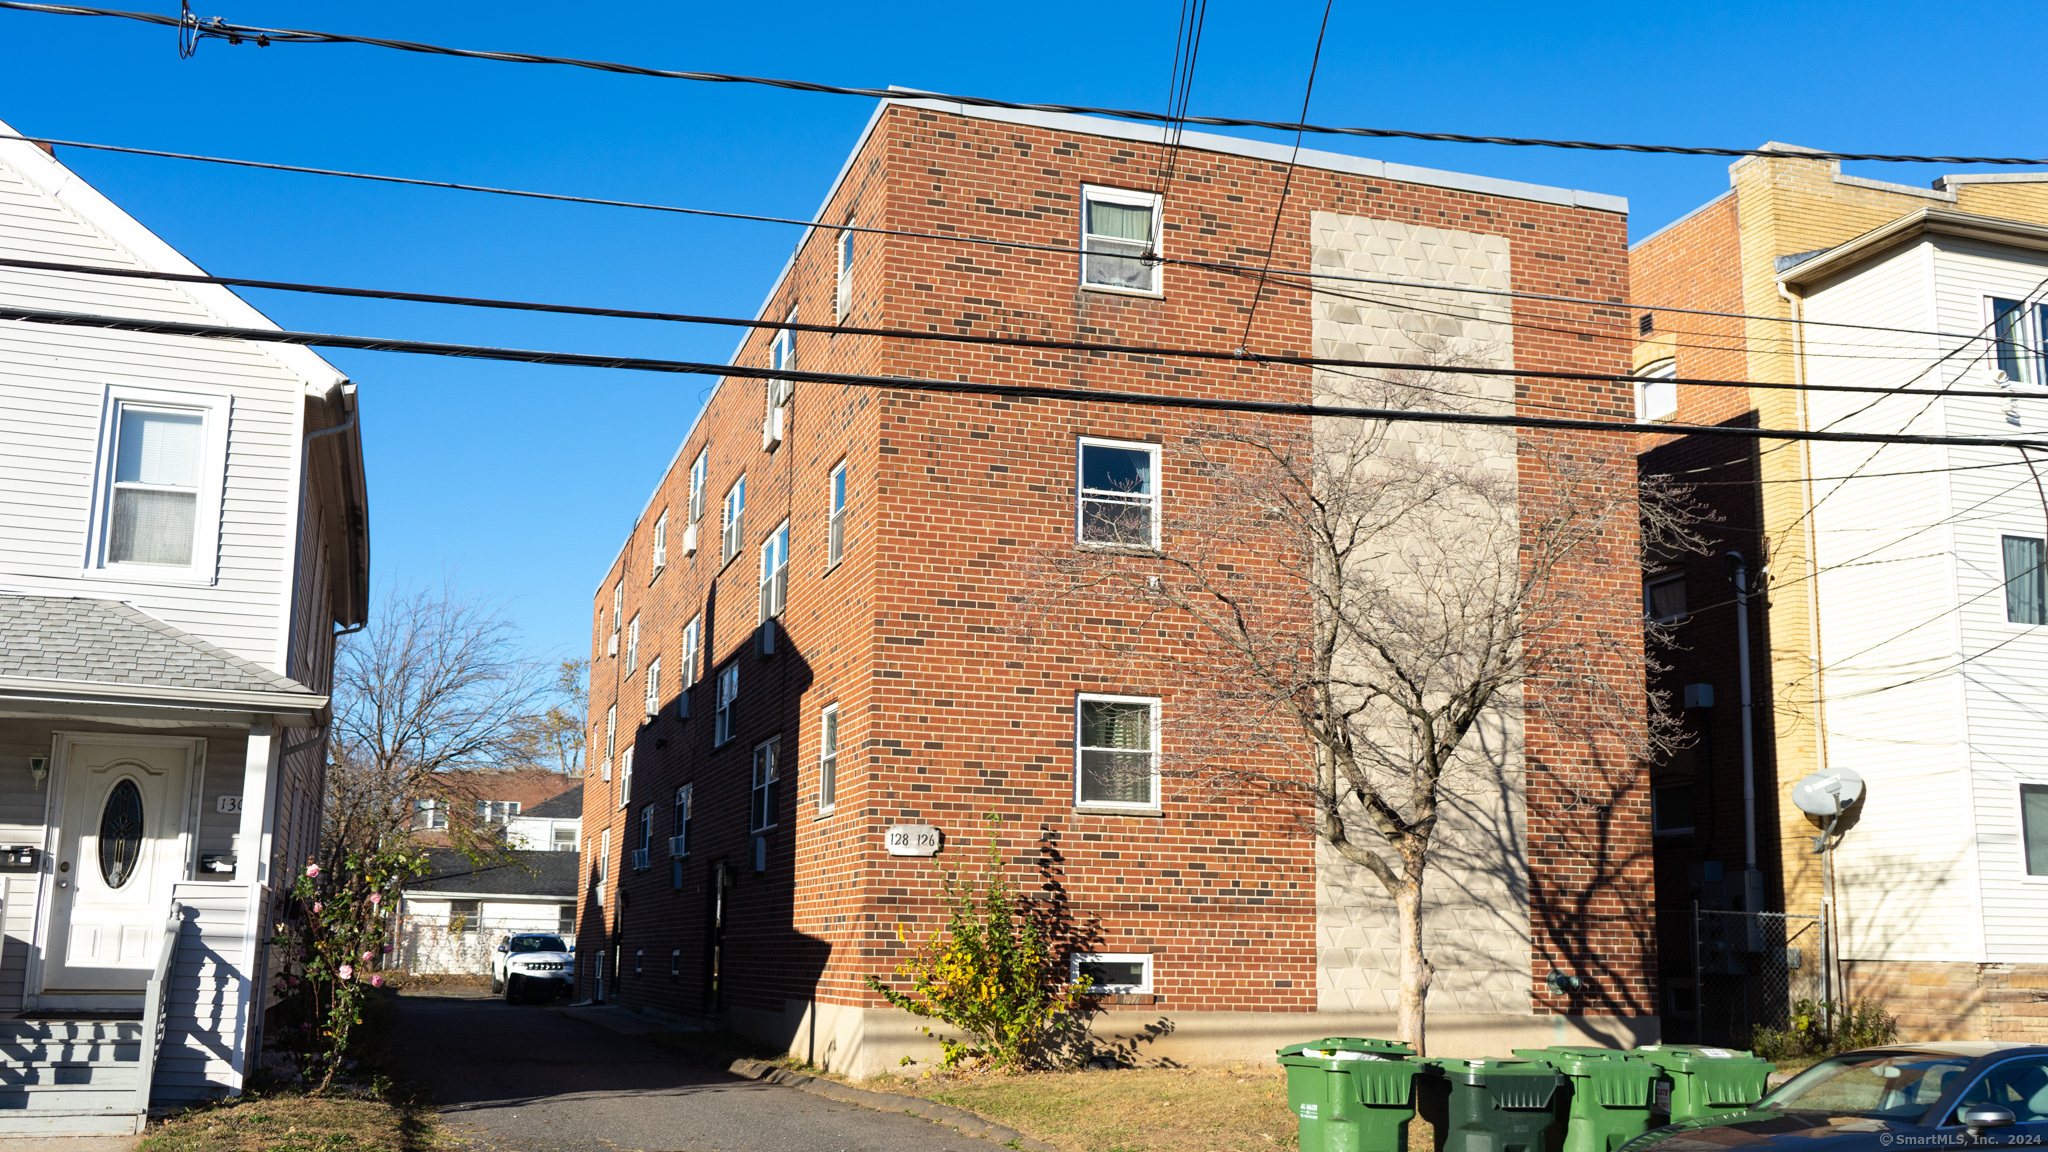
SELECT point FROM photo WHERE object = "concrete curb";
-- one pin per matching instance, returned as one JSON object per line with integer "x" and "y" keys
{"x": 965, "y": 1121}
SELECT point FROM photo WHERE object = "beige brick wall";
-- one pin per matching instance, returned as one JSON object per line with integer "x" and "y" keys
{"x": 2005, "y": 1002}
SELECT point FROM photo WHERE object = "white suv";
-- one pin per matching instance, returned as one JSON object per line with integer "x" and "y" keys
{"x": 535, "y": 965}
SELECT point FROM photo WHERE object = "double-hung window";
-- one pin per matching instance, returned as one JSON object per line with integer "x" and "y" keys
{"x": 496, "y": 811}
{"x": 732, "y": 516}
{"x": 835, "y": 519}
{"x": 728, "y": 692}
{"x": 654, "y": 686}
{"x": 1117, "y": 500}
{"x": 625, "y": 777}
{"x": 2016, "y": 330}
{"x": 1664, "y": 599}
{"x": 162, "y": 459}
{"x": 660, "y": 545}
{"x": 2026, "y": 592}
{"x": 1116, "y": 752}
{"x": 428, "y": 814}
{"x": 1657, "y": 391}
{"x": 828, "y": 757}
{"x": 647, "y": 828}
{"x": 679, "y": 841}
{"x": 775, "y": 571}
{"x": 1119, "y": 239}
{"x": 611, "y": 737}
{"x": 781, "y": 353}
{"x": 698, "y": 470}
{"x": 2034, "y": 827}
{"x": 842, "y": 295}
{"x": 633, "y": 643}
{"x": 766, "y": 808}
{"x": 618, "y": 614}
{"x": 463, "y": 916}
{"x": 693, "y": 642}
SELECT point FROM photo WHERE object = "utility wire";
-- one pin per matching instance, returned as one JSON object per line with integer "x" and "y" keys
{"x": 1135, "y": 350}
{"x": 1287, "y": 184}
{"x": 909, "y": 383}
{"x": 1187, "y": 46}
{"x": 1630, "y": 306}
{"x": 220, "y": 29}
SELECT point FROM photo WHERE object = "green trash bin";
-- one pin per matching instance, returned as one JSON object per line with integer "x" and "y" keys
{"x": 1493, "y": 1105}
{"x": 1706, "y": 1081}
{"x": 1351, "y": 1095}
{"x": 1610, "y": 1097}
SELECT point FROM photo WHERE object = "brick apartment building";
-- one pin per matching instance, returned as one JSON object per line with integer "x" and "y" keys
{"x": 807, "y": 637}
{"x": 486, "y": 797}
{"x": 1785, "y": 508}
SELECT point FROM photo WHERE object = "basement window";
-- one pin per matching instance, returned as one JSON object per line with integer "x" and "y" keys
{"x": 1112, "y": 972}
{"x": 1119, "y": 240}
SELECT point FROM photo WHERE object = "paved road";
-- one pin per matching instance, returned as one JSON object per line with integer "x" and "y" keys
{"x": 526, "y": 1079}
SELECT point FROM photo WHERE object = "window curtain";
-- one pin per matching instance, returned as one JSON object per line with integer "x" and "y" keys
{"x": 156, "y": 487}
{"x": 2026, "y": 593}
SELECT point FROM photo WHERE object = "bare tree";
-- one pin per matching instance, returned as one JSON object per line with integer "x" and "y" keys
{"x": 438, "y": 681}
{"x": 553, "y": 737}
{"x": 1356, "y": 617}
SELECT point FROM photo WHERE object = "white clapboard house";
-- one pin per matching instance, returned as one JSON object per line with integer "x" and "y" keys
{"x": 183, "y": 529}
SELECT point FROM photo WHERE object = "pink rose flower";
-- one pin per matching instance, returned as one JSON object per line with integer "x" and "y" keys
{"x": 312, "y": 869}
{"x": 375, "y": 897}
{"x": 347, "y": 972}
{"x": 376, "y": 981}
{"x": 316, "y": 907}
{"x": 366, "y": 957}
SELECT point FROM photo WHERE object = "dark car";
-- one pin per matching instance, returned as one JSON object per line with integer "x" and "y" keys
{"x": 1899, "y": 1097}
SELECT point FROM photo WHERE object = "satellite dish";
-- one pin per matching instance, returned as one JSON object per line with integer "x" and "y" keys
{"x": 1828, "y": 793}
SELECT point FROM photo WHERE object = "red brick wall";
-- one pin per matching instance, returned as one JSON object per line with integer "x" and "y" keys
{"x": 944, "y": 715}
{"x": 463, "y": 788}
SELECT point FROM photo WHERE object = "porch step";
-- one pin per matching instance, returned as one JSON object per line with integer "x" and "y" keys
{"x": 58, "y": 1123}
{"x": 70, "y": 1075}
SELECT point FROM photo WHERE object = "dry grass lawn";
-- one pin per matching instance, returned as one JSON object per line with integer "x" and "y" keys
{"x": 1132, "y": 1109}
{"x": 291, "y": 1122}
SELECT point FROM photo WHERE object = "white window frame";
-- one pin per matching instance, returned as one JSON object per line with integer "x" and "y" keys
{"x": 647, "y": 828}
{"x": 1649, "y": 409}
{"x": 2019, "y": 820}
{"x": 1081, "y": 446}
{"x": 625, "y": 778}
{"x": 215, "y": 411}
{"x": 770, "y": 808}
{"x": 2030, "y": 356}
{"x": 699, "y": 470}
{"x": 660, "y": 558}
{"x": 1154, "y": 804}
{"x": 774, "y": 572}
{"x": 1076, "y": 959}
{"x": 732, "y": 519}
{"x": 1658, "y": 581}
{"x": 1134, "y": 198}
{"x": 611, "y": 737}
{"x": 496, "y": 811}
{"x": 682, "y": 813}
{"x": 728, "y": 695}
{"x": 781, "y": 356}
{"x": 693, "y": 643}
{"x": 435, "y": 813}
{"x": 838, "y": 493}
{"x": 633, "y": 643}
{"x": 842, "y": 280}
{"x": 654, "y": 687}
{"x": 828, "y": 758}
{"x": 604, "y": 864}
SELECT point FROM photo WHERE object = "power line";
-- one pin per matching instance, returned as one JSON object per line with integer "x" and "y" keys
{"x": 919, "y": 384}
{"x": 955, "y": 238}
{"x": 1254, "y": 359}
{"x": 1286, "y": 185}
{"x": 218, "y": 28}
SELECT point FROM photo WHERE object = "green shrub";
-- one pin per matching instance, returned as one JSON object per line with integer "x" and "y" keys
{"x": 1859, "y": 1024}
{"x": 993, "y": 974}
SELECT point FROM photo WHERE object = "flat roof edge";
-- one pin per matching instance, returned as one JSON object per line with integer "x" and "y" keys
{"x": 1278, "y": 153}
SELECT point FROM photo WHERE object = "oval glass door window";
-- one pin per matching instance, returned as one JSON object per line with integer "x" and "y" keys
{"x": 121, "y": 834}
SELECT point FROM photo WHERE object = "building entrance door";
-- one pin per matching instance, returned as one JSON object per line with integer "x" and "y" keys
{"x": 121, "y": 843}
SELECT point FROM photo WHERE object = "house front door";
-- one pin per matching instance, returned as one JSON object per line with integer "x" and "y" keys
{"x": 120, "y": 846}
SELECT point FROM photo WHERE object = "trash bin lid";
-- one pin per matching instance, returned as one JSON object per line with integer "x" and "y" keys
{"x": 1511, "y": 1083}
{"x": 1690, "y": 1057}
{"x": 1581, "y": 1060}
{"x": 1348, "y": 1048}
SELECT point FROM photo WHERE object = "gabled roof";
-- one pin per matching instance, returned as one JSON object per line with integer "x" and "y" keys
{"x": 56, "y": 649}
{"x": 450, "y": 873}
{"x": 567, "y": 806}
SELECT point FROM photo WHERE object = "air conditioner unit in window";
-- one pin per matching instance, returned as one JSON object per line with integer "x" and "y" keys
{"x": 639, "y": 859}
{"x": 764, "y": 638}
{"x": 683, "y": 705}
{"x": 678, "y": 846}
{"x": 771, "y": 428}
{"x": 611, "y": 646}
{"x": 690, "y": 540}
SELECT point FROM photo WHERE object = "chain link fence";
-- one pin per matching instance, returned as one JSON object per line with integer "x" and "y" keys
{"x": 1750, "y": 969}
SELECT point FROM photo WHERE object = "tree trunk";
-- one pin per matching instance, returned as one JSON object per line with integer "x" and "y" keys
{"x": 1415, "y": 969}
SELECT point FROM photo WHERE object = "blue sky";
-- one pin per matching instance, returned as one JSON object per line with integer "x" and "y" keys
{"x": 521, "y": 480}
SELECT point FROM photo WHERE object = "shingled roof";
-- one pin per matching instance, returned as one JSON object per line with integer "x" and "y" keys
{"x": 108, "y": 643}
{"x": 567, "y": 806}
{"x": 450, "y": 873}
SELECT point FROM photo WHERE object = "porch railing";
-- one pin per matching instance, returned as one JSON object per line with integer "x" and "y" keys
{"x": 156, "y": 1006}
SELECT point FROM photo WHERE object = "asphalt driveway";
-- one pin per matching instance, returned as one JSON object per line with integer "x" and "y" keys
{"x": 527, "y": 1079}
